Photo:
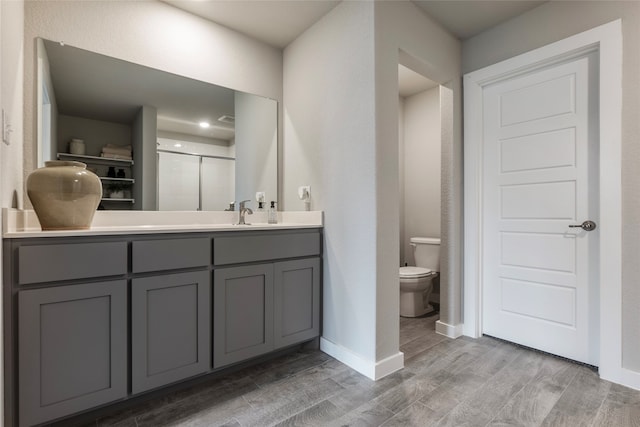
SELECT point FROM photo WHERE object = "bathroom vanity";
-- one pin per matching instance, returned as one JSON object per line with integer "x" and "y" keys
{"x": 104, "y": 315}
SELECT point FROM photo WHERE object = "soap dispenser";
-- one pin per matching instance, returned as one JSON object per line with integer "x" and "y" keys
{"x": 272, "y": 217}
{"x": 260, "y": 199}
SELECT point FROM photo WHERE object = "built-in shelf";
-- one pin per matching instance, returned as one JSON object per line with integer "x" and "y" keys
{"x": 109, "y": 199}
{"x": 94, "y": 159}
{"x": 107, "y": 181}
{"x": 123, "y": 180}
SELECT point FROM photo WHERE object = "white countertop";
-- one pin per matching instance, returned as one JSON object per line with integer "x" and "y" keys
{"x": 24, "y": 223}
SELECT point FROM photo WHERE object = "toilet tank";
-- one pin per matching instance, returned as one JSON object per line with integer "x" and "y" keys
{"x": 426, "y": 252}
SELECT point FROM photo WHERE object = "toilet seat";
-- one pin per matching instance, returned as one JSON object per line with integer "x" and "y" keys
{"x": 414, "y": 272}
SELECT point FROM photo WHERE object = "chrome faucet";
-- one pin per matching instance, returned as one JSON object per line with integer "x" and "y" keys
{"x": 242, "y": 211}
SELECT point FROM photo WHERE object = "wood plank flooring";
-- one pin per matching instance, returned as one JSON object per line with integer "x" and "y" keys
{"x": 463, "y": 382}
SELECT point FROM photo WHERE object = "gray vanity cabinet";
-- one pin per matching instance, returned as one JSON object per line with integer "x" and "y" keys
{"x": 296, "y": 301}
{"x": 242, "y": 313}
{"x": 261, "y": 307}
{"x": 94, "y": 320}
{"x": 170, "y": 328}
{"x": 72, "y": 349}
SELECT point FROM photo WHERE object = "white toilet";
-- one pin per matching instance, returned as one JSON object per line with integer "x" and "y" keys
{"x": 416, "y": 283}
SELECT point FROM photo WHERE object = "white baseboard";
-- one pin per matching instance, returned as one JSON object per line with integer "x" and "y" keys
{"x": 389, "y": 365}
{"x": 630, "y": 378}
{"x": 368, "y": 368}
{"x": 447, "y": 330}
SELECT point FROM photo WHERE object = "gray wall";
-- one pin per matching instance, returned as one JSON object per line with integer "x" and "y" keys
{"x": 421, "y": 174}
{"x": 341, "y": 137}
{"x": 256, "y": 145}
{"x": 145, "y": 166}
{"x": 406, "y": 35}
{"x": 401, "y": 170}
{"x": 329, "y": 98}
{"x": 48, "y": 152}
{"x": 95, "y": 133}
{"x": 11, "y": 95}
{"x": 557, "y": 20}
{"x": 11, "y": 31}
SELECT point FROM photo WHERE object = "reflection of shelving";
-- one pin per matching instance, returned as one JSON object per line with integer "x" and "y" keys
{"x": 95, "y": 159}
{"x": 102, "y": 166}
{"x": 106, "y": 179}
{"x": 109, "y": 199}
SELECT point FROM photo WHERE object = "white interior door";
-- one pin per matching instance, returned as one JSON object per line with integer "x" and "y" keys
{"x": 539, "y": 275}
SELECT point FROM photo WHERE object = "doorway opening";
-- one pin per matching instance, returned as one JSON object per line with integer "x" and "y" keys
{"x": 420, "y": 166}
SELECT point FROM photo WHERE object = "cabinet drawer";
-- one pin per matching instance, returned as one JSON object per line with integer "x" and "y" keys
{"x": 49, "y": 263}
{"x": 170, "y": 254}
{"x": 239, "y": 249}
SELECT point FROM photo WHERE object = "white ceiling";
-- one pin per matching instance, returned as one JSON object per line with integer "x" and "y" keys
{"x": 279, "y": 22}
{"x": 102, "y": 88}
{"x": 410, "y": 82}
{"x": 275, "y": 22}
{"x": 465, "y": 19}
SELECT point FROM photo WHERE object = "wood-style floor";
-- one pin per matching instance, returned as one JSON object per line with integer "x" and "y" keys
{"x": 461, "y": 382}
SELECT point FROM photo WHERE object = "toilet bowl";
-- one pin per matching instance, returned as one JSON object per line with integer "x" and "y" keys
{"x": 416, "y": 283}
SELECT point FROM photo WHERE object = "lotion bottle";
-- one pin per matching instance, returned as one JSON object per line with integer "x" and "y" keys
{"x": 272, "y": 217}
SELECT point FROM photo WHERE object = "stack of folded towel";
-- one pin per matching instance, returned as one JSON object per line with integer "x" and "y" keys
{"x": 122, "y": 152}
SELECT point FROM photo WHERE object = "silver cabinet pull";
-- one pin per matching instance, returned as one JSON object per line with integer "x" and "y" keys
{"x": 587, "y": 225}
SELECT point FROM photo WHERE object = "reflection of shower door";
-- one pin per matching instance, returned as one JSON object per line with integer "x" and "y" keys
{"x": 217, "y": 183}
{"x": 190, "y": 182}
{"x": 178, "y": 182}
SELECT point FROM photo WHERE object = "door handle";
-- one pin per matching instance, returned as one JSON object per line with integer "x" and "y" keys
{"x": 587, "y": 225}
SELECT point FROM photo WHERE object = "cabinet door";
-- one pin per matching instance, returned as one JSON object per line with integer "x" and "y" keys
{"x": 242, "y": 313}
{"x": 170, "y": 328}
{"x": 72, "y": 349}
{"x": 296, "y": 301}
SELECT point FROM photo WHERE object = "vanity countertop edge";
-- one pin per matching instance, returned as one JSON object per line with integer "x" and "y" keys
{"x": 17, "y": 223}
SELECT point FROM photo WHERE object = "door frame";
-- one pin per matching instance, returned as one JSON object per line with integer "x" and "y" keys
{"x": 607, "y": 41}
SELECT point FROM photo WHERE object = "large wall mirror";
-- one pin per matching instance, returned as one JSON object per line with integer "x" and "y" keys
{"x": 157, "y": 140}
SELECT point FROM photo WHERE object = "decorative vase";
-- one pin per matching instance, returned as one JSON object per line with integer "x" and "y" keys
{"x": 64, "y": 195}
{"x": 76, "y": 146}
